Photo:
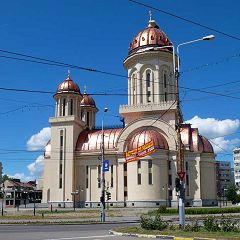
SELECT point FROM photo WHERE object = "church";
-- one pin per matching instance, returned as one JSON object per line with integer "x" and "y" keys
{"x": 73, "y": 169}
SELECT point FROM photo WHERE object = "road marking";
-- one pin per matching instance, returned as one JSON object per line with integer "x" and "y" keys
{"x": 103, "y": 236}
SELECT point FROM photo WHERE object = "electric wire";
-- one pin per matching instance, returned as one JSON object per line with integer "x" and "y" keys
{"x": 185, "y": 19}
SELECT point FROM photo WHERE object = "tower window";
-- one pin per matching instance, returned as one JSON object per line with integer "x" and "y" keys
{"x": 148, "y": 78}
{"x": 88, "y": 118}
{"x": 71, "y": 107}
{"x": 64, "y": 107}
{"x": 165, "y": 79}
{"x": 165, "y": 97}
{"x": 87, "y": 173}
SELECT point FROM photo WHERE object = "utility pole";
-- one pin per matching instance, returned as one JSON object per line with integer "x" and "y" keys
{"x": 180, "y": 155}
{"x": 102, "y": 198}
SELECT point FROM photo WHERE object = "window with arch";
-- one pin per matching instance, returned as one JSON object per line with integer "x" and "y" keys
{"x": 165, "y": 79}
{"x": 71, "y": 107}
{"x": 64, "y": 107}
{"x": 148, "y": 78}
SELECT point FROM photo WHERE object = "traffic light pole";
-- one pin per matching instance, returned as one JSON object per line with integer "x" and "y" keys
{"x": 180, "y": 156}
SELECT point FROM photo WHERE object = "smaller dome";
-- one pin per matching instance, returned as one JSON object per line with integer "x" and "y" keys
{"x": 87, "y": 101}
{"x": 68, "y": 86}
{"x": 142, "y": 137}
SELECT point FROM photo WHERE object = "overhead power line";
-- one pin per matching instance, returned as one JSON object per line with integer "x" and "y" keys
{"x": 186, "y": 20}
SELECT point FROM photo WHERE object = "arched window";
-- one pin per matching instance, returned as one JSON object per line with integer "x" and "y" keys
{"x": 71, "y": 107}
{"x": 165, "y": 79}
{"x": 64, "y": 107}
{"x": 148, "y": 78}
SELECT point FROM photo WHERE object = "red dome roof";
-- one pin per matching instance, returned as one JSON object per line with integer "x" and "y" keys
{"x": 142, "y": 136}
{"x": 87, "y": 101}
{"x": 68, "y": 86}
{"x": 151, "y": 36}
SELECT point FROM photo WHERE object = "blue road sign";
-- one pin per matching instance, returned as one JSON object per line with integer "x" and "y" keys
{"x": 106, "y": 165}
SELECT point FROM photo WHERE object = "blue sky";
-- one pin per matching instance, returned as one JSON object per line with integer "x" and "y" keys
{"x": 96, "y": 34}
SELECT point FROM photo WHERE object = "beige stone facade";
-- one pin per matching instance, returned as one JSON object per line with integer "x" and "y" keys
{"x": 72, "y": 156}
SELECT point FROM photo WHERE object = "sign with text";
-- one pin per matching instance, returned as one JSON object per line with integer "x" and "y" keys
{"x": 106, "y": 165}
{"x": 140, "y": 152}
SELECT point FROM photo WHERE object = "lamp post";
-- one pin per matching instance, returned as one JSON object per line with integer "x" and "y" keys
{"x": 3, "y": 197}
{"x": 74, "y": 199}
{"x": 180, "y": 147}
{"x": 103, "y": 173}
{"x": 180, "y": 150}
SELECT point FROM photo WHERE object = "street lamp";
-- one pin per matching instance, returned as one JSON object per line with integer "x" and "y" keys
{"x": 103, "y": 173}
{"x": 74, "y": 199}
{"x": 180, "y": 152}
{"x": 180, "y": 147}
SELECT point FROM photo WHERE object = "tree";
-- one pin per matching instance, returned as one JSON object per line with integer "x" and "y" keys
{"x": 231, "y": 193}
{"x": 5, "y": 177}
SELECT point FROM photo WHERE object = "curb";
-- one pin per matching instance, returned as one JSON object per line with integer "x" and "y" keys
{"x": 166, "y": 237}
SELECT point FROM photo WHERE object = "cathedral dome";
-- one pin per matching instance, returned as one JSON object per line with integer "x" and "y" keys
{"x": 142, "y": 137}
{"x": 68, "y": 86}
{"x": 87, "y": 101}
{"x": 151, "y": 36}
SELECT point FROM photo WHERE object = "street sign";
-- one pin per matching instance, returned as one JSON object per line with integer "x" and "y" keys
{"x": 106, "y": 165}
{"x": 181, "y": 175}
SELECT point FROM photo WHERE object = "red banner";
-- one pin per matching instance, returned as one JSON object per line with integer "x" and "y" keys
{"x": 140, "y": 152}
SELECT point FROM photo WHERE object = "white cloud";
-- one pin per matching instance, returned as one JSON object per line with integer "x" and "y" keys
{"x": 36, "y": 168}
{"x": 212, "y": 128}
{"x": 216, "y": 130}
{"x": 22, "y": 177}
{"x": 38, "y": 141}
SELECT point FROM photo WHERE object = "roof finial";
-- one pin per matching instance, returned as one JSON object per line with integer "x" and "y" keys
{"x": 68, "y": 73}
{"x": 85, "y": 89}
{"x": 150, "y": 15}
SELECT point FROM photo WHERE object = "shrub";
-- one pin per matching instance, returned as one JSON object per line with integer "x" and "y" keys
{"x": 227, "y": 224}
{"x": 193, "y": 227}
{"x": 211, "y": 224}
{"x": 152, "y": 223}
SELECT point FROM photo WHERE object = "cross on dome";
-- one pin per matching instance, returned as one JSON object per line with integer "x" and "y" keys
{"x": 150, "y": 15}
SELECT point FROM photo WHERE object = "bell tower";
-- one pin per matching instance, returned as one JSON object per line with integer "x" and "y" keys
{"x": 88, "y": 110}
{"x": 151, "y": 82}
{"x": 65, "y": 129}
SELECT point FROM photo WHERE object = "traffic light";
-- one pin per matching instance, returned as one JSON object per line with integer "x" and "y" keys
{"x": 102, "y": 199}
{"x": 108, "y": 195}
{"x": 177, "y": 184}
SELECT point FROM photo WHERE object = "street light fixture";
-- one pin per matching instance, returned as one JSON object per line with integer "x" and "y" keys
{"x": 180, "y": 148}
{"x": 102, "y": 199}
{"x": 74, "y": 199}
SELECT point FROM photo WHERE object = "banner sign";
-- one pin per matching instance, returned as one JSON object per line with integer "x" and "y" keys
{"x": 140, "y": 152}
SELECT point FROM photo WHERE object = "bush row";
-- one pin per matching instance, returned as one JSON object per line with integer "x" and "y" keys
{"x": 197, "y": 210}
{"x": 210, "y": 224}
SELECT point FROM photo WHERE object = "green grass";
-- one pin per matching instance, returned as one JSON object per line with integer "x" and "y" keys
{"x": 180, "y": 233}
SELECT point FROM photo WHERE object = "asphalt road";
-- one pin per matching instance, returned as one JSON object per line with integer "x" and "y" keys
{"x": 59, "y": 232}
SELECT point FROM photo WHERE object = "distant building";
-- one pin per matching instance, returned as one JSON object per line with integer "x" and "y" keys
{"x": 17, "y": 192}
{"x": 236, "y": 160}
{"x": 223, "y": 176}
